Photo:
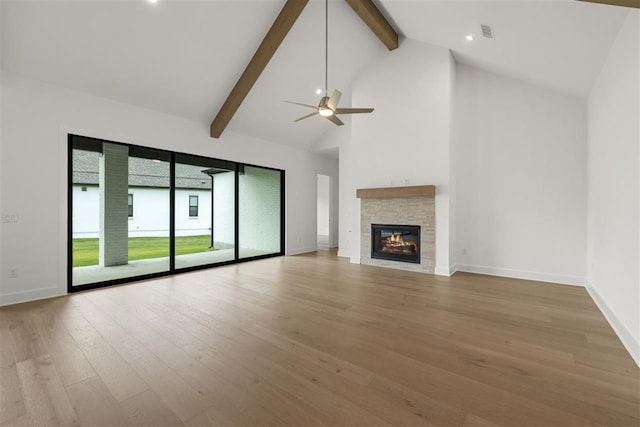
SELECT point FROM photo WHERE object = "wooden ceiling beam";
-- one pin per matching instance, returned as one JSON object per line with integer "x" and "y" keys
{"x": 276, "y": 34}
{"x": 625, "y": 3}
{"x": 376, "y": 21}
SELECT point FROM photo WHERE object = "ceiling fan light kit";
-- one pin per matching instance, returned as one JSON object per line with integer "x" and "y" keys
{"x": 325, "y": 111}
{"x": 328, "y": 106}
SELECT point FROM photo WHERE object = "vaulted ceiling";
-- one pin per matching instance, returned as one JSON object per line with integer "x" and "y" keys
{"x": 183, "y": 57}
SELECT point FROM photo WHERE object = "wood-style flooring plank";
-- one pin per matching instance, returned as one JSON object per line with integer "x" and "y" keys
{"x": 71, "y": 364}
{"x": 94, "y": 404}
{"x": 21, "y": 421}
{"x": 7, "y": 356}
{"x": 11, "y": 401}
{"x": 148, "y": 410}
{"x": 45, "y": 398}
{"x": 27, "y": 344}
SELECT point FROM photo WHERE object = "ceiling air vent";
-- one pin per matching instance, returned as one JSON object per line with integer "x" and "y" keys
{"x": 487, "y": 31}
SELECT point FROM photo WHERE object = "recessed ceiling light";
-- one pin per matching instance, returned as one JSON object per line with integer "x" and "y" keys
{"x": 469, "y": 37}
{"x": 153, "y": 1}
{"x": 318, "y": 91}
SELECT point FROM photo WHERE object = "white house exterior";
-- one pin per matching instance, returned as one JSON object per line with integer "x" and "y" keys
{"x": 149, "y": 199}
{"x": 150, "y": 212}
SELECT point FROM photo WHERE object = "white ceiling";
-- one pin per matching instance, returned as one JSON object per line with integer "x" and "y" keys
{"x": 183, "y": 57}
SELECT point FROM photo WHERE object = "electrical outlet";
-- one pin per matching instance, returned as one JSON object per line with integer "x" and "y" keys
{"x": 9, "y": 218}
{"x": 13, "y": 273}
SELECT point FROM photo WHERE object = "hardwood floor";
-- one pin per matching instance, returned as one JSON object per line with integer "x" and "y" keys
{"x": 313, "y": 340}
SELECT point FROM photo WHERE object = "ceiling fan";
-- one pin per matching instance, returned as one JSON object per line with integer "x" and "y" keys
{"x": 328, "y": 106}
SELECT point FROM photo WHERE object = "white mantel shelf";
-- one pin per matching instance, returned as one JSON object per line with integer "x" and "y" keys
{"x": 392, "y": 192}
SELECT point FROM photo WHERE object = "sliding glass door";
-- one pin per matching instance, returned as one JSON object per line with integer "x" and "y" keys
{"x": 137, "y": 212}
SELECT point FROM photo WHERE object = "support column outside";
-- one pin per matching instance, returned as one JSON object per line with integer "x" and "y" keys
{"x": 114, "y": 221}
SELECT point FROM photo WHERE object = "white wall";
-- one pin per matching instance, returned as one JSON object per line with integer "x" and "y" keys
{"x": 613, "y": 214}
{"x": 86, "y": 212}
{"x": 3, "y": 271}
{"x": 520, "y": 156}
{"x": 405, "y": 141}
{"x": 453, "y": 166}
{"x": 323, "y": 208}
{"x": 223, "y": 215}
{"x": 185, "y": 224}
{"x": 35, "y": 121}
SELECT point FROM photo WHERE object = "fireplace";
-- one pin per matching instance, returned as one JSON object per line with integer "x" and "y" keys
{"x": 396, "y": 242}
{"x": 413, "y": 206}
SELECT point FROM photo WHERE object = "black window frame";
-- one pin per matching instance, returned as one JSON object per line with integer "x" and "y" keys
{"x": 130, "y": 205}
{"x": 193, "y": 209}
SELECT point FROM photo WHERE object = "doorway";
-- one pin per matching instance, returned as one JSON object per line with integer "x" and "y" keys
{"x": 324, "y": 212}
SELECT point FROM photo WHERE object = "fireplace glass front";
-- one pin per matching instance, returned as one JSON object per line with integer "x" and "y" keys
{"x": 396, "y": 242}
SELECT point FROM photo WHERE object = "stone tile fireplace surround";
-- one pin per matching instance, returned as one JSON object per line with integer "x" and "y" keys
{"x": 399, "y": 206}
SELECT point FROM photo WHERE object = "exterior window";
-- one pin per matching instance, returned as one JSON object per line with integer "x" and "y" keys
{"x": 130, "y": 205}
{"x": 193, "y": 206}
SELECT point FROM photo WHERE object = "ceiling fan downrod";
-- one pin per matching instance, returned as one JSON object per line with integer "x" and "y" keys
{"x": 326, "y": 47}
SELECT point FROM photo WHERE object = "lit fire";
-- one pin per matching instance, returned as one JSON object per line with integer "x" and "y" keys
{"x": 395, "y": 243}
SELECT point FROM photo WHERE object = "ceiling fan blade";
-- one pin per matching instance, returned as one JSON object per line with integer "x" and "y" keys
{"x": 333, "y": 118}
{"x": 334, "y": 100}
{"x": 303, "y": 105}
{"x": 624, "y": 3}
{"x": 353, "y": 110}
{"x": 307, "y": 116}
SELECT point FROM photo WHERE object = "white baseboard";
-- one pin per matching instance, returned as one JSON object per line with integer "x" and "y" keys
{"x": 355, "y": 260}
{"x": 452, "y": 269}
{"x": 342, "y": 254}
{"x": 33, "y": 295}
{"x": 301, "y": 251}
{"x": 521, "y": 274}
{"x": 441, "y": 271}
{"x": 630, "y": 342}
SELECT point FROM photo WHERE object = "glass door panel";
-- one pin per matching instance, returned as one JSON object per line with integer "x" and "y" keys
{"x": 204, "y": 211}
{"x": 259, "y": 212}
{"x": 120, "y": 211}
{"x": 149, "y": 223}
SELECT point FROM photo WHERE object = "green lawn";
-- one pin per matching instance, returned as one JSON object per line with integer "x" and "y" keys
{"x": 85, "y": 251}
